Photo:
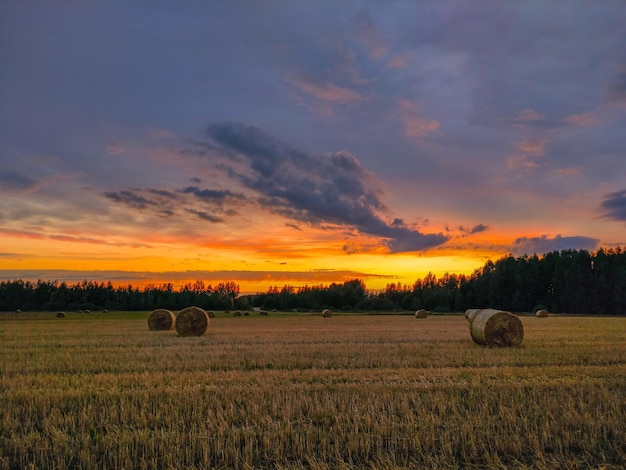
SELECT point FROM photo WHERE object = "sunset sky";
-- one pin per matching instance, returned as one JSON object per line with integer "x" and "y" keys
{"x": 286, "y": 142}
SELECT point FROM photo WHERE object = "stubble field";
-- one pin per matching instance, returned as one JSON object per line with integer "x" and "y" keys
{"x": 292, "y": 391}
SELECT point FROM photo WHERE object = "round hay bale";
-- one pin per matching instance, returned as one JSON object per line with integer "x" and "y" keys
{"x": 421, "y": 313}
{"x": 105, "y": 311}
{"x": 543, "y": 313}
{"x": 326, "y": 313}
{"x": 192, "y": 321}
{"x": 211, "y": 314}
{"x": 237, "y": 313}
{"x": 18, "y": 310}
{"x": 264, "y": 313}
{"x": 246, "y": 313}
{"x": 161, "y": 319}
{"x": 60, "y": 314}
{"x": 496, "y": 328}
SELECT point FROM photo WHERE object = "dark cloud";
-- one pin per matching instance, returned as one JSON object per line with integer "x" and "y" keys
{"x": 205, "y": 216}
{"x": 318, "y": 189}
{"x": 479, "y": 228}
{"x": 216, "y": 196}
{"x": 169, "y": 203}
{"x": 614, "y": 205}
{"x": 129, "y": 198}
{"x": 543, "y": 244}
{"x": 16, "y": 181}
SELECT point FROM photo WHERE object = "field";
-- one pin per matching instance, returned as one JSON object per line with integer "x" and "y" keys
{"x": 292, "y": 391}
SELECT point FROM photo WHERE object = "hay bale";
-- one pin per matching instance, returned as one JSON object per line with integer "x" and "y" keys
{"x": 245, "y": 314}
{"x": 192, "y": 321}
{"x": 211, "y": 314}
{"x": 18, "y": 310}
{"x": 421, "y": 313}
{"x": 105, "y": 311}
{"x": 60, "y": 314}
{"x": 263, "y": 313}
{"x": 495, "y": 327}
{"x": 326, "y": 313}
{"x": 161, "y": 319}
{"x": 543, "y": 313}
{"x": 237, "y": 313}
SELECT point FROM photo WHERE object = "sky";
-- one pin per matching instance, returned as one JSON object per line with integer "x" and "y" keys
{"x": 303, "y": 143}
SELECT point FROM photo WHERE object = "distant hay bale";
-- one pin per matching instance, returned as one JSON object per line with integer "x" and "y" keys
{"x": 326, "y": 313}
{"x": 421, "y": 313}
{"x": 19, "y": 310}
{"x": 211, "y": 314}
{"x": 246, "y": 313}
{"x": 495, "y": 327}
{"x": 263, "y": 313}
{"x": 543, "y": 313}
{"x": 295, "y": 310}
{"x": 105, "y": 311}
{"x": 237, "y": 313}
{"x": 161, "y": 319}
{"x": 192, "y": 321}
{"x": 60, "y": 314}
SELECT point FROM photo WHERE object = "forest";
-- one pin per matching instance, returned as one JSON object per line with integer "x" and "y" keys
{"x": 567, "y": 281}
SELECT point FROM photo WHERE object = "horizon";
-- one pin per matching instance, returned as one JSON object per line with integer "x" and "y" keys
{"x": 289, "y": 144}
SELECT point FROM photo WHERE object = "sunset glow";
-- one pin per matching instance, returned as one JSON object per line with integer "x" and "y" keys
{"x": 277, "y": 144}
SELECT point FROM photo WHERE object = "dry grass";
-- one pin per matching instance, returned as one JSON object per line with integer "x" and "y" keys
{"x": 301, "y": 392}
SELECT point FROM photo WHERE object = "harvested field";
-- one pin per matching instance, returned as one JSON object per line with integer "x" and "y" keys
{"x": 290, "y": 391}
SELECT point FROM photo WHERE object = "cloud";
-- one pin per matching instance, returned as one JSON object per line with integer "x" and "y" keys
{"x": 526, "y": 116}
{"x": 582, "y": 120}
{"x": 323, "y": 90}
{"x": 415, "y": 125}
{"x": 205, "y": 216}
{"x": 64, "y": 238}
{"x": 16, "y": 181}
{"x": 216, "y": 196}
{"x": 479, "y": 228}
{"x": 532, "y": 146}
{"x": 368, "y": 35}
{"x": 204, "y": 204}
{"x": 614, "y": 205}
{"x": 323, "y": 189}
{"x": 129, "y": 198}
{"x": 543, "y": 244}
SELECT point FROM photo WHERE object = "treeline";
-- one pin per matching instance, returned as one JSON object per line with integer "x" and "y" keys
{"x": 569, "y": 281}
